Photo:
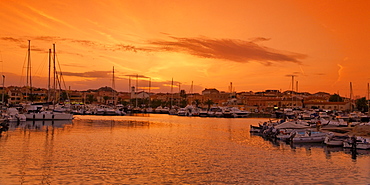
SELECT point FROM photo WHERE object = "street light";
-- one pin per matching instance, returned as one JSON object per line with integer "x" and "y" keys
{"x": 2, "y": 100}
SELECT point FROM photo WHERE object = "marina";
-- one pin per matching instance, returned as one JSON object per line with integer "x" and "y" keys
{"x": 167, "y": 149}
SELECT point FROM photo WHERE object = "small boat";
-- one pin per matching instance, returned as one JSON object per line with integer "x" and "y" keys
{"x": 365, "y": 145}
{"x": 227, "y": 113}
{"x": 308, "y": 136}
{"x": 203, "y": 112}
{"x": 111, "y": 111}
{"x": 212, "y": 111}
{"x": 333, "y": 140}
{"x": 255, "y": 129}
{"x": 183, "y": 112}
{"x": 237, "y": 113}
{"x": 14, "y": 115}
{"x": 360, "y": 143}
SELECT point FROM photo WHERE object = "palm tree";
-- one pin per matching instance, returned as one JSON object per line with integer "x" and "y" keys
{"x": 90, "y": 98}
{"x": 209, "y": 102}
{"x": 105, "y": 99}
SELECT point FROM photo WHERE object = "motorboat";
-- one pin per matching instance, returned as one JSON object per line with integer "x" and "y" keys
{"x": 183, "y": 112}
{"x": 334, "y": 140}
{"x": 308, "y": 136}
{"x": 237, "y": 113}
{"x": 212, "y": 111}
{"x": 360, "y": 143}
{"x": 111, "y": 111}
{"x": 227, "y": 113}
{"x": 12, "y": 114}
{"x": 203, "y": 112}
{"x": 36, "y": 112}
{"x": 255, "y": 129}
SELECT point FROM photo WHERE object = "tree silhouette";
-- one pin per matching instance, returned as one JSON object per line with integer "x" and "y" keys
{"x": 361, "y": 105}
{"x": 209, "y": 102}
{"x": 335, "y": 98}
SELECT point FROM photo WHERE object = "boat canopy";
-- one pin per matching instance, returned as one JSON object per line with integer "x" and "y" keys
{"x": 290, "y": 125}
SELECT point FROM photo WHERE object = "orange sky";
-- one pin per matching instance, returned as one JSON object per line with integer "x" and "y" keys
{"x": 256, "y": 45}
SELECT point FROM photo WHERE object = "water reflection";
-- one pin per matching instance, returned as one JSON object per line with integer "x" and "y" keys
{"x": 162, "y": 149}
{"x": 112, "y": 123}
{"x": 308, "y": 147}
{"x": 38, "y": 124}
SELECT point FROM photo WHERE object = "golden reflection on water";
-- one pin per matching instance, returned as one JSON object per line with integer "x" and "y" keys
{"x": 162, "y": 149}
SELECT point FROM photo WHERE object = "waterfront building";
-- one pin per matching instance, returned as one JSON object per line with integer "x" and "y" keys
{"x": 77, "y": 97}
{"x": 216, "y": 96}
{"x": 15, "y": 95}
{"x": 336, "y": 106}
{"x": 264, "y": 101}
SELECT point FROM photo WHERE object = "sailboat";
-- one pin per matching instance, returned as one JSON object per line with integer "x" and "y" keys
{"x": 37, "y": 111}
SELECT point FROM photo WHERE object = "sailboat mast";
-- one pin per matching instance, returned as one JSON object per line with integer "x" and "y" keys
{"x": 171, "y": 93}
{"x": 296, "y": 86}
{"x": 150, "y": 84}
{"x": 137, "y": 84}
{"x": 49, "y": 94}
{"x": 350, "y": 95}
{"x": 191, "y": 93}
{"x": 130, "y": 88}
{"x": 179, "y": 94}
{"x": 113, "y": 87}
{"x": 368, "y": 92}
{"x": 54, "y": 77}
{"x": 29, "y": 76}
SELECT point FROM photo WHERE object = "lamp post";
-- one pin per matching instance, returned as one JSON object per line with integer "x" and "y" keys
{"x": 2, "y": 100}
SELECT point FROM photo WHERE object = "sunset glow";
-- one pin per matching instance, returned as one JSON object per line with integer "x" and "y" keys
{"x": 256, "y": 45}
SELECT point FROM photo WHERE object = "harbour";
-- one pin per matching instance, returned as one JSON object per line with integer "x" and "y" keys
{"x": 167, "y": 149}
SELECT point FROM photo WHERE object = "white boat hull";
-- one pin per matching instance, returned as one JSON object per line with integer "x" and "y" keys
{"x": 308, "y": 139}
{"x": 363, "y": 146}
{"x": 49, "y": 116}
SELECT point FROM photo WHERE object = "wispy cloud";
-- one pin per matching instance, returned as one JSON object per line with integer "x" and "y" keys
{"x": 90, "y": 74}
{"x": 12, "y": 39}
{"x": 340, "y": 70}
{"x": 137, "y": 76}
{"x": 47, "y": 16}
{"x": 86, "y": 43}
{"x": 227, "y": 49}
{"x": 224, "y": 49}
{"x": 33, "y": 48}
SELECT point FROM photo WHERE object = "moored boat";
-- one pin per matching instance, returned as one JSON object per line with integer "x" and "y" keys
{"x": 308, "y": 136}
{"x": 357, "y": 143}
{"x": 333, "y": 140}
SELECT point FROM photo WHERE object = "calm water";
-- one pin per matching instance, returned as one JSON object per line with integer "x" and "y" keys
{"x": 163, "y": 149}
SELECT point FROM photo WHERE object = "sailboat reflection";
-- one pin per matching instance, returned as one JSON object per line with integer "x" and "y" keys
{"x": 39, "y": 124}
